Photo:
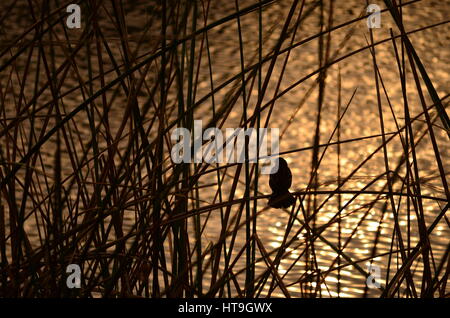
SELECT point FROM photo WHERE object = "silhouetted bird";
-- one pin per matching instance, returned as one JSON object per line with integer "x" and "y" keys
{"x": 280, "y": 182}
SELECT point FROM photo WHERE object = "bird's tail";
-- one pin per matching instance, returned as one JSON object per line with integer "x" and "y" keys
{"x": 281, "y": 200}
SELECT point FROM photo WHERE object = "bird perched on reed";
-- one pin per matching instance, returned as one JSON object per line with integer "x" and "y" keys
{"x": 280, "y": 182}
